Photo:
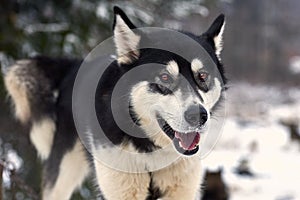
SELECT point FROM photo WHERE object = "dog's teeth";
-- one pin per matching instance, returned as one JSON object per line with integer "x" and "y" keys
{"x": 180, "y": 144}
{"x": 177, "y": 135}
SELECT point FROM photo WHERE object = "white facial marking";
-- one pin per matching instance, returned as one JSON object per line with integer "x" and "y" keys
{"x": 173, "y": 68}
{"x": 170, "y": 107}
{"x": 211, "y": 97}
{"x": 218, "y": 40}
{"x": 126, "y": 42}
{"x": 196, "y": 65}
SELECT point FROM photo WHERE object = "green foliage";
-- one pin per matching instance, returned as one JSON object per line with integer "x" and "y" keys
{"x": 53, "y": 27}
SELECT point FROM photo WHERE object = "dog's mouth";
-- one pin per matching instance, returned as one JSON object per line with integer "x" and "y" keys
{"x": 186, "y": 143}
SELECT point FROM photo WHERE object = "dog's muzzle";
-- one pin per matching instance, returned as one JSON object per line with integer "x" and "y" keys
{"x": 186, "y": 143}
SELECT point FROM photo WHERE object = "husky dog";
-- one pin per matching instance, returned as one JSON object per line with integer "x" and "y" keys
{"x": 172, "y": 106}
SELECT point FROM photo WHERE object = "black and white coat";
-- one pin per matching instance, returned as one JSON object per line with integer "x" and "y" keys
{"x": 41, "y": 92}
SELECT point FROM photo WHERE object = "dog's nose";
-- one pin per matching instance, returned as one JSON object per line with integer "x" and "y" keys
{"x": 195, "y": 115}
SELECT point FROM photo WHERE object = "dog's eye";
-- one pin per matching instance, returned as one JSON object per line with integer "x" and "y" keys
{"x": 165, "y": 78}
{"x": 203, "y": 76}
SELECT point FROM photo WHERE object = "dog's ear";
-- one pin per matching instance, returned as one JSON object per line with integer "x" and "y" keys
{"x": 126, "y": 40}
{"x": 215, "y": 34}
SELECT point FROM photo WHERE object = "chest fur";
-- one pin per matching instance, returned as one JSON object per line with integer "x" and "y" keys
{"x": 181, "y": 180}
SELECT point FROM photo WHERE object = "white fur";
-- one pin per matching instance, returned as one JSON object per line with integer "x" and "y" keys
{"x": 126, "y": 42}
{"x": 180, "y": 180}
{"x": 41, "y": 136}
{"x": 172, "y": 108}
{"x": 18, "y": 91}
{"x": 121, "y": 185}
{"x": 122, "y": 171}
{"x": 72, "y": 171}
{"x": 126, "y": 158}
{"x": 196, "y": 65}
{"x": 213, "y": 95}
{"x": 218, "y": 40}
{"x": 173, "y": 68}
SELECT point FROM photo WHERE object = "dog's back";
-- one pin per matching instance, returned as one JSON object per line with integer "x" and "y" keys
{"x": 33, "y": 85}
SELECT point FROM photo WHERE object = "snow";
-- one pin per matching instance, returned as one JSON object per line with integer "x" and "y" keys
{"x": 182, "y": 9}
{"x": 46, "y": 27}
{"x": 13, "y": 162}
{"x": 295, "y": 64}
{"x": 263, "y": 141}
{"x": 102, "y": 11}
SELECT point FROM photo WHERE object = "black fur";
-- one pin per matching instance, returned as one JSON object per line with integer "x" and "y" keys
{"x": 154, "y": 192}
{"x": 60, "y": 73}
{"x": 118, "y": 11}
{"x": 104, "y": 112}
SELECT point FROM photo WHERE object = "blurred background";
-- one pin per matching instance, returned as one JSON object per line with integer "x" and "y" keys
{"x": 258, "y": 154}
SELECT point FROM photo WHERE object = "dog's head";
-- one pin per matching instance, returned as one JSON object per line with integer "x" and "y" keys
{"x": 175, "y": 101}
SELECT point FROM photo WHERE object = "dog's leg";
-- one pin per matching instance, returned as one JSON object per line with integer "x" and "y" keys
{"x": 73, "y": 169}
{"x": 121, "y": 185}
{"x": 181, "y": 181}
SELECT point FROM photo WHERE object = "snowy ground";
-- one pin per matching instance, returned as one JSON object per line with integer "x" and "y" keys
{"x": 253, "y": 131}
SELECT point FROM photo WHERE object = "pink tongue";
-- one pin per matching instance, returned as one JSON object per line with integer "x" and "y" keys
{"x": 188, "y": 140}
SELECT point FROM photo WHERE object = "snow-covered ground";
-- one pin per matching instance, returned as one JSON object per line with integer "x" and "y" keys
{"x": 253, "y": 132}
